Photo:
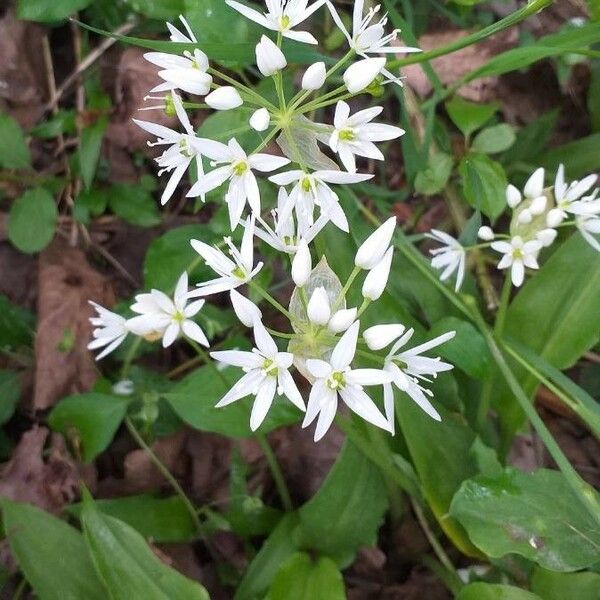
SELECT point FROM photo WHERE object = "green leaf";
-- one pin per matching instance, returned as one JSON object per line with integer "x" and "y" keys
{"x": 51, "y": 554}
{"x": 558, "y": 586}
{"x": 158, "y": 9}
{"x": 532, "y": 139}
{"x": 89, "y": 149}
{"x": 90, "y": 203}
{"x": 14, "y": 153}
{"x": 334, "y": 521}
{"x": 433, "y": 179}
{"x": 32, "y": 220}
{"x": 162, "y": 520}
{"x": 224, "y": 125}
{"x": 580, "y": 157}
{"x": 493, "y": 591}
{"x": 16, "y": 324}
{"x": 10, "y": 394}
{"x": 494, "y": 139}
{"x": 49, "y": 10}
{"x": 468, "y": 350}
{"x": 134, "y": 204}
{"x": 301, "y": 578}
{"x": 275, "y": 551}
{"x": 194, "y": 399}
{"x": 484, "y": 184}
{"x": 468, "y": 116}
{"x": 127, "y": 566}
{"x": 94, "y": 418}
{"x": 62, "y": 122}
{"x": 535, "y": 515}
{"x": 171, "y": 254}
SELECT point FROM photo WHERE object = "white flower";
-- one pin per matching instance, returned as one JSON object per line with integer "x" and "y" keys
{"x": 178, "y": 36}
{"x": 184, "y": 148}
{"x": 232, "y": 273}
{"x": 354, "y": 135}
{"x": 368, "y": 37}
{"x": 517, "y": 256}
{"x": 187, "y": 72}
{"x": 377, "y": 278}
{"x": 260, "y": 119}
{"x": 312, "y": 189}
{"x": 161, "y": 316}
{"x": 314, "y": 77}
{"x": 284, "y": 236}
{"x": 246, "y": 311}
{"x": 451, "y": 257}
{"x": 373, "y": 249}
{"x": 269, "y": 58}
{"x": 569, "y": 198}
{"x": 282, "y": 16}
{"x": 302, "y": 264}
{"x": 319, "y": 312}
{"x": 110, "y": 329}
{"x": 336, "y": 377}
{"x": 546, "y": 236}
{"x": 407, "y": 368}
{"x": 266, "y": 372}
{"x": 238, "y": 170}
{"x": 361, "y": 74}
{"x": 224, "y": 98}
{"x": 486, "y": 233}
{"x": 589, "y": 226}
{"x": 534, "y": 188}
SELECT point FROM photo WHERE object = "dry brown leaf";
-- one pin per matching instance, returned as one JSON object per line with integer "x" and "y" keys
{"x": 27, "y": 478}
{"x": 66, "y": 283}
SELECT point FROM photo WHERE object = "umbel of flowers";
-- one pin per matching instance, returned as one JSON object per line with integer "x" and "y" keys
{"x": 325, "y": 344}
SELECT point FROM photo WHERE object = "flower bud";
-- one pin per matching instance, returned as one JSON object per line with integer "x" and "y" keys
{"x": 377, "y": 278}
{"x": 269, "y": 58}
{"x": 535, "y": 184}
{"x": 554, "y": 218}
{"x": 375, "y": 246}
{"x": 380, "y": 336}
{"x": 260, "y": 119}
{"x": 538, "y": 206}
{"x": 485, "y": 233}
{"x": 224, "y": 98}
{"x": 314, "y": 78}
{"x": 513, "y": 196}
{"x": 341, "y": 320}
{"x": 525, "y": 216}
{"x": 318, "y": 308}
{"x": 302, "y": 264}
{"x": 246, "y": 311}
{"x": 359, "y": 75}
{"x": 546, "y": 236}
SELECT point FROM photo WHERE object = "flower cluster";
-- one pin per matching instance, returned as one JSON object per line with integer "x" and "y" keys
{"x": 326, "y": 341}
{"x": 538, "y": 212}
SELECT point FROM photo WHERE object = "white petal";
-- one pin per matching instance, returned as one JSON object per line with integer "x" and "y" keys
{"x": 535, "y": 184}
{"x": 318, "y": 368}
{"x": 380, "y": 336}
{"x": 267, "y": 162}
{"x": 368, "y": 377}
{"x": 262, "y": 403}
{"x": 239, "y": 358}
{"x": 170, "y": 335}
{"x": 318, "y": 309}
{"x": 290, "y": 390}
{"x": 246, "y": 311}
{"x": 345, "y": 349}
{"x": 342, "y": 319}
{"x": 359, "y": 402}
{"x": 302, "y": 264}
{"x": 362, "y": 73}
{"x": 209, "y": 181}
{"x": 224, "y": 98}
{"x": 372, "y": 250}
{"x": 264, "y": 341}
{"x": 376, "y": 281}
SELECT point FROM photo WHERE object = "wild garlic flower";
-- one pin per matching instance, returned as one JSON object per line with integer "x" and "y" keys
{"x": 335, "y": 378}
{"x": 269, "y": 57}
{"x": 589, "y": 227}
{"x": 354, "y": 135}
{"x": 110, "y": 330}
{"x": 238, "y": 170}
{"x": 377, "y": 278}
{"x": 408, "y": 367}
{"x": 233, "y": 272}
{"x": 361, "y": 74}
{"x": 260, "y": 120}
{"x": 373, "y": 249}
{"x": 245, "y": 310}
{"x": 450, "y": 258}
{"x": 518, "y": 255}
{"x": 166, "y": 318}
{"x": 224, "y": 98}
{"x": 178, "y": 36}
{"x": 266, "y": 373}
{"x": 282, "y": 16}
{"x": 314, "y": 77}
{"x": 319, "y": 313}
{"x": 184, "y": 148}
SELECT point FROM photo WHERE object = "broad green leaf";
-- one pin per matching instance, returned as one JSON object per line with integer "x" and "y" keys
{"x": 469, "y": 116}
{"x": 14, "y": 153}
{"x": 52, "y": 555}
{"x": 32, "y": 220}
{"x": 468, "y": 350}
{"x": 91, "y": 203}
{"x": 494, "y": 139}
{"x": 94, "y": 418}
{"x": 49, "y": 10}
{"x": 62, "y": 122}
{"x": 158, "y": 9}
{"x": 194, "y": 399}
{"x": 494, "y": 591}
{"x": 161, "y": 520}
{"x": 559, "y": 586}
{"x": 127, "y": 565}
{"x": 441, "y": 466}
{"x": 301, "y": 578}
{"x": 535, "y": 515}
{"x": 580, "y": 157}
{"x": 224, "y": 125}
{"x": 275, "y": 551}
{"x": 134, "y": 204}
{"x": 434, "y": 178}
{"x": 16, "y": 324}
{"x": 484, "y": 184}
{"x": 89, "y": 149}
{"x": 171, "y": 254}
{"x": 10, "y": 393}
{"x": 334, "y": 521}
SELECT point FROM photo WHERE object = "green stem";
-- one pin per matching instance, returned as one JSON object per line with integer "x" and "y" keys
{"x": 266, "y": 140}
{"x": 344, "y": 290}
{"x": 135, "y": 434}
{"x": 264, "y": 294}
{"x": 503, "y": 308}
{"x": 276, "y": 472}
{"x": 249, "y": 92}
{"x": 129, "y": 357}
{"x": 202, "y": 353}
